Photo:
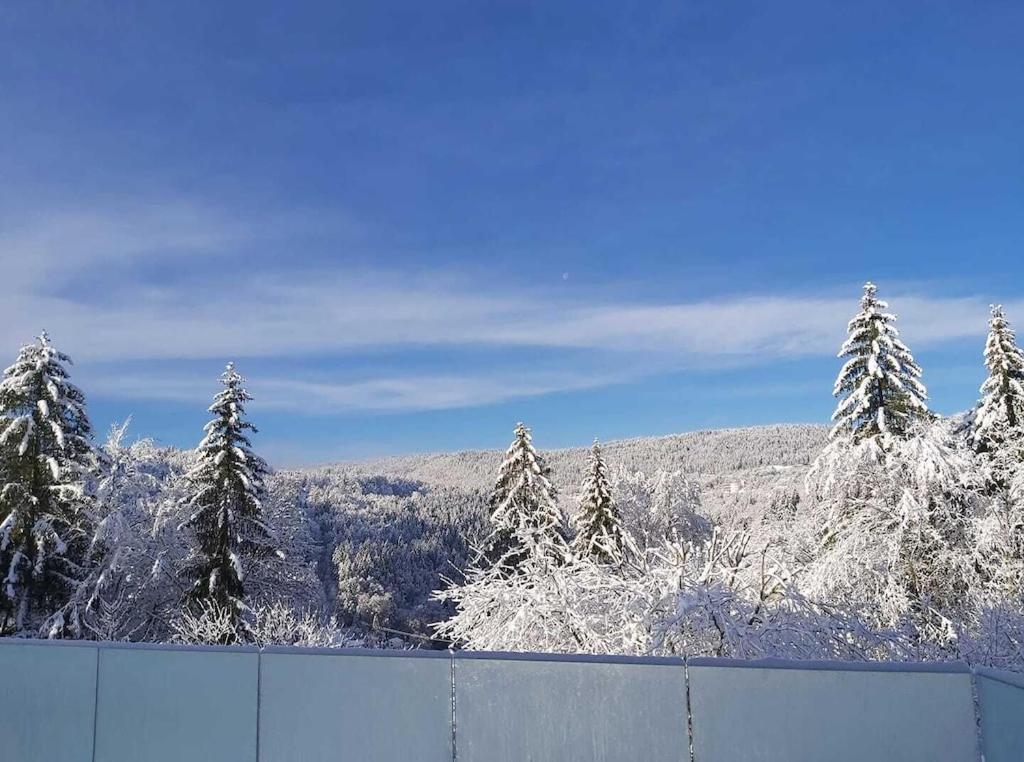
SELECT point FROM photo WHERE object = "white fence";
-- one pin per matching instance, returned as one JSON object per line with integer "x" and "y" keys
{"x": 89, "y": 702}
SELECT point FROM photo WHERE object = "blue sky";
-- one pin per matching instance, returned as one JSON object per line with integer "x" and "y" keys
{"x": 413, "y": 224}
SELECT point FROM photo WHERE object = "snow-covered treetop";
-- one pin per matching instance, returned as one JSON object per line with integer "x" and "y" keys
{"x": 523, "y": 476}
{"x": 879, "y": 383}
{"x": 229, "y": 404}
{"x": 40, "y": 409}
{"x": 598, "y": 527}
{"x": 1001, "y": 408}
{"x": 596, "y": 488}
{"x": 226, "y": 448}
{"x": 524, "y": 499}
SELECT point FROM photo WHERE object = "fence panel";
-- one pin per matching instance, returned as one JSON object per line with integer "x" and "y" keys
{"x": 785, "y": 712}
{"x": 571, "y": 710}
{"x": 164, "y": 705}
{"x": 47, "y": 702}
{"x": 159, "y": 703}
{"x": 1001, "y": 700}
{"x": 380, "y": 708}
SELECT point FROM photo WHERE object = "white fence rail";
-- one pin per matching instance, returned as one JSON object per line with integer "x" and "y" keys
{"x": 100, "y": 702}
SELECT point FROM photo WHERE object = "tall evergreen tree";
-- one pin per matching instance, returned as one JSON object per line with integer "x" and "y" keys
{"x": 45, "y": 456}
{"x": 598, "y": 527}
{"x": 525, "y": 517}
{"x": 879, "y": 383}
{"x": 1000, "y": 412}
{"x": 997, "y": 434}
{"x": 226, "y": 503}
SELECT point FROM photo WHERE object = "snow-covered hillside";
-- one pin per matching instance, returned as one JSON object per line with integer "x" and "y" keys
{"x": 901, "y": 538}
{"x": 389, "y": 529}
{"x": 737, "y": 469}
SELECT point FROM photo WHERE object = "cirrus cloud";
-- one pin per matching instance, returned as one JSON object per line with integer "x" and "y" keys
{"x": 218, "y": 306}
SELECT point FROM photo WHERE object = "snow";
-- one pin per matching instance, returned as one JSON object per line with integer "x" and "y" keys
{"x": 225, "y": 530}
{"x": 888, "y": 560}
{"x": 1001, "y": 407}
{"x": 599, "y": 532}
{"x": 42, "y": 495}
{"x": 899, "y": 536}
{"x": 880, "y": 378}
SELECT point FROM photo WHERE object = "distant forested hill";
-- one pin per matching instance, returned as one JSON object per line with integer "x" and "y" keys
{"x": 734, "y": 467}
{"x": 390, "y": 528}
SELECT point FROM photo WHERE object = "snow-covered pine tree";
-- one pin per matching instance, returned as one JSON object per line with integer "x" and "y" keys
{"x": 598, "y": 527}
{"x": 997, "y": 435}
{"x": 1000, "y": 412}
{"x": 883, "y": 394}
{"x": 525, "y": 517}
{"x": 45, "y": 456}
{"x": 226, "y": 503}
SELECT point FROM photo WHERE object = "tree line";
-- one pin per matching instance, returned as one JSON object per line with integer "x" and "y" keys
{"x": 57, "y": 555}
{"x": 906, "y": 542}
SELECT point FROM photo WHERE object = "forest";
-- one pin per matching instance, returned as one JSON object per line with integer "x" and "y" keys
{"x": 894, "y": 534}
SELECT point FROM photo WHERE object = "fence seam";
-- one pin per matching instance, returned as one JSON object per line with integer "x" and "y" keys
{"x": 259, "y": 698}
{"x": 455, "y": 748}
{"x": 96, "y": 704}
{"x": 689, "y": 709}
{"x": 979, "y": 736}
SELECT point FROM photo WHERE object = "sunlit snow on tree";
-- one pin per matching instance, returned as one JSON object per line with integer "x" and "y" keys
{"x": 1000, "y": 412}
{"x": 525, "y": 517}
{"x": 598, "y": 527}
{"x": 901, "y": 536}
{"x": 880, "y": 386}
{"x": 227, "y": 503}
{"x": 46, "y": 451}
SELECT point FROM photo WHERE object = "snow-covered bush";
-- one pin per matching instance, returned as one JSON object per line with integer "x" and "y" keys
{"x": 275, "y": 624}
{"x": 684, "y": 600}
{"x": 893, "y": 530}
{"x": 132, "y": 588}
{"x": 664, "y": 506}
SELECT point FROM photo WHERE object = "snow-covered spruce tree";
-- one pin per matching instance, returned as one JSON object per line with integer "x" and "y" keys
{"x": 891, "y": 526}
{"x": 226, "y": 518}
{"x": 525, "y": 518}
{"x": 598, "y": 527}
{"x": 997, "y": 434}
{"x": 1000, "y": 412}
{"x": 882, "y": 394}
{"x": 45, "y": 456}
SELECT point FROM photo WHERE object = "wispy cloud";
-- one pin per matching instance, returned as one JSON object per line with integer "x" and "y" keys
{"x": 386, "y": 393}
{"x": 274, "y": 310}
{"x": 44, "y": 249}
